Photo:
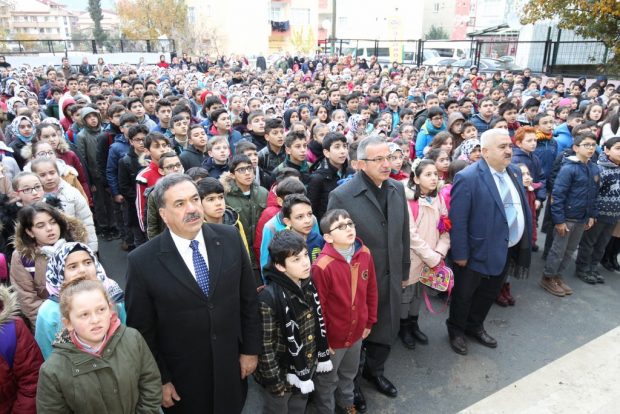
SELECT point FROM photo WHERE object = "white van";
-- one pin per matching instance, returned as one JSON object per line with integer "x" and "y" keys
{"x": 409, "y": 54}
{"x": 455, "y": 49}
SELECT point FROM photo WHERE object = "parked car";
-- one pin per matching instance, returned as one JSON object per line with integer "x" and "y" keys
{"x": 486, "y": 65}
{"x": 438, "y": 61}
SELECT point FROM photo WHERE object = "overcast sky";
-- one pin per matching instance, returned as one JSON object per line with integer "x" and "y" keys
{"x": 83, "y": 4}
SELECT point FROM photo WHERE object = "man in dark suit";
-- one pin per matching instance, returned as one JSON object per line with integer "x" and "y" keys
{"x": 378, "y": 207}
{"x": 491, "y": 227}
{"x": 191, "y": 293}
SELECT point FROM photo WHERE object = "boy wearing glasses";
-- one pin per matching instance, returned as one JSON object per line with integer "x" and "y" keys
{"x": 344, "y": 275}
{"x": 169, "y": 163}
{"x": 573, "y": 210}
{"x": 246, "y": 197}
{"x": 128, "y": 168}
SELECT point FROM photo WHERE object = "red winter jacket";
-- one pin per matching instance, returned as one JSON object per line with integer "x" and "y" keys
{"x": 337, "y": 283}
{"x": 268, "y": 213}
{"x": 20, "y": 360}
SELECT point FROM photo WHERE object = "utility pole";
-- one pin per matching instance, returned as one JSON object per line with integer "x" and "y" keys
{"x": 333, "y": 36}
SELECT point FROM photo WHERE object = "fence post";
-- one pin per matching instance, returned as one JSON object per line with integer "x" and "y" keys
{"x": 148, "y": 46}
{"x": 122, "y": 49}
{"x": 420, "y": 55}
{"x": 93, "y": 45}
{"x": 19, "y": 45}
{"x": 376, "y": 52}
{"x": 340, "y": 48}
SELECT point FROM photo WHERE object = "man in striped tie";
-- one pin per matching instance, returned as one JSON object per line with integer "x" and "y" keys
{"x": 491, "y": 226}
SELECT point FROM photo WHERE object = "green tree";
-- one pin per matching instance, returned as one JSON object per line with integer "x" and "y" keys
{"x": 436, "y": 33}
{"x": 596, "y": 19}
{"x": 96, "y": 14}
{"x": 151, "y": 19}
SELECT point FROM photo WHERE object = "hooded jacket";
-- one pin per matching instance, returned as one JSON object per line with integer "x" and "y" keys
{"x": 19, "y": 365}
{"x": 124, "y": 379}
{"x": 480, "y": 123}
{"x": 87, "y": 146}
{"x": 348, "y": 292}
{"x": 28, "y": 267}
{"x": 248, "y": 208}
{"x": 575, "y": 190}
{"x": 563, "y": 137}
{"x": 425, "y": 136}
{"x": 118, "y": 150}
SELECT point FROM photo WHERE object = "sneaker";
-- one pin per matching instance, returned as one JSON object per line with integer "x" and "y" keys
{"x": 586, "y": 277}
{"x": 550, "y": 284}
{"x": 567, "y": 289}
{"x": 599, "y": 277}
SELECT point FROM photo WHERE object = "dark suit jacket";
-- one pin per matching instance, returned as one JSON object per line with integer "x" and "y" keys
{"x": 388, "y": 240}
{"x": 196, "y": 340}
{"x": 479, "y": 231}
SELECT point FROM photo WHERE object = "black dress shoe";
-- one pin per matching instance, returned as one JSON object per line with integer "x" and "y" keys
{"x": 458, "y": 345}
{"x": 382, "y": 384}
{"x": 359, "y": 400}
{"x": 484, "y": 338}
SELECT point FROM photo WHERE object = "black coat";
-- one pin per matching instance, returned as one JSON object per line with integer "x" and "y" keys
{"x": 322, "y": 182}
{"x": 191, "y": 157}
{"x": 196, "y": 340}
{"x": 388, "y": 241}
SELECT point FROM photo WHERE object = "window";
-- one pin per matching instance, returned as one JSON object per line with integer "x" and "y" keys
{"x": 191, "y": 15}
{"x": 277, "y": 14}
{"x": 435, "y": 7}
{"x": 300, "y": 17}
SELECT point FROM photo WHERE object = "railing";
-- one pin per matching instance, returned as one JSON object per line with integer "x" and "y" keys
{"x": 551, "y": 57}
{"x": 17, "y": 47}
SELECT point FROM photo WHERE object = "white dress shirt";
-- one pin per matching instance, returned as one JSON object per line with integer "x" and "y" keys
{"x": 186, "y": 252}
{"x": 516, "y": 200}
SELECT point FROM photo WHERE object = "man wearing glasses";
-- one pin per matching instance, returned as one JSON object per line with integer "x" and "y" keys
{"x": 368, "y": 197}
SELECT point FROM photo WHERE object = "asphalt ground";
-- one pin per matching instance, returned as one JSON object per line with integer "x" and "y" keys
{"x": 539, "y": 329}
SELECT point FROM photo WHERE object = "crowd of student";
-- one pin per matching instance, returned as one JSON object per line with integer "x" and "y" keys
{"x": 278, "y": 153}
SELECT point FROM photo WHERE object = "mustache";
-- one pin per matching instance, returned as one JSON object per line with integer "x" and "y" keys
{"x": 191, "y": 217}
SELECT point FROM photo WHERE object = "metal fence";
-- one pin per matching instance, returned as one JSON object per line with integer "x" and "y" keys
{"x": 551, "y": 57}
{"x": 20, "y": 47}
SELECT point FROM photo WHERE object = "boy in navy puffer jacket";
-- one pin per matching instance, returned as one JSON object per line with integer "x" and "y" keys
{"x": 593, "y": 242}
{"x": 573, "y": 210}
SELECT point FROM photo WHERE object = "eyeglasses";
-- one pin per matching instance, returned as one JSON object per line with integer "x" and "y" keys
{"x": 244, "y": 170}
{"x": 344, "y": 226}
{"x": 173, "y": 167}
{"x": 588, "y": 145}
{"x": 380, "y": 160}
{"x": 138, "y": 140}
{"x": 31, "y": 190}
{"x": 45, "y": 154}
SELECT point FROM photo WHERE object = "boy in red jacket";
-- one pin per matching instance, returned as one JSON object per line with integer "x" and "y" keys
{"x": 344, "y": 275}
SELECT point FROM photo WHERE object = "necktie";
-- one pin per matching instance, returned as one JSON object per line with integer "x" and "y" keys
{"x": 200, "y": 267}
{"x": 509, "y": 208}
